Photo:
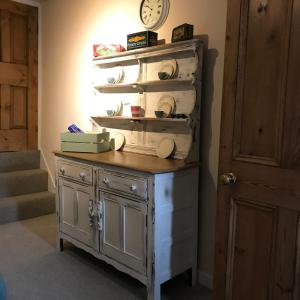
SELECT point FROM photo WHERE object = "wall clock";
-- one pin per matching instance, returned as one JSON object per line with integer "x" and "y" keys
{"x": 153, "y": 13}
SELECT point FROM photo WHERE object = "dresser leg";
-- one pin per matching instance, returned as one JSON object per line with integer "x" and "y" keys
{"x": 153, "y": 292}
{"x": 59, "y": 244}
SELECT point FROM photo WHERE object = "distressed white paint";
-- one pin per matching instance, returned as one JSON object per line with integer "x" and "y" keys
{"x": 161, "y": 208}
{"x": 145, "y": 64}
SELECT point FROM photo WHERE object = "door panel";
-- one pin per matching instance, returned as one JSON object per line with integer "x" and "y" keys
{"x": 83, "y": 219}
{"x": 134, "y": 232}
{"x": 291, "y": 137}
{"x": 19, "y": 41}
{"x": 18, "y": 111}
{"x": 258, "y": 239}
{"x": 74, "y": 208}
{"x": 18, "y": 75}
{"x": 112, "y": 224}
{"x": 251, "y": 250}
{"x": 124, "y": 231}
{"x": 261, "y": 76}
{"x": 67, "y": 199}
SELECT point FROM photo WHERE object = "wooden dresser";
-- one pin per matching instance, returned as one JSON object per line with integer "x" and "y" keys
{"x": 136, "y": 212}
{"x": 130, "y": 208}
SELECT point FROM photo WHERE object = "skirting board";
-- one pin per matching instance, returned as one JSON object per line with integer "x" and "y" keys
{"x": 205, "y": 279}
{"x": 44, "y": 166}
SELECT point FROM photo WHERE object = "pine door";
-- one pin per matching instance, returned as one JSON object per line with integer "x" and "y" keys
{"x": 258, "y": 227}
{"x": 18, "y": 76}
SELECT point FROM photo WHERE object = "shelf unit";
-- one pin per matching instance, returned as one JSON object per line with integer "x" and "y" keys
{"x": 185, "y": 88}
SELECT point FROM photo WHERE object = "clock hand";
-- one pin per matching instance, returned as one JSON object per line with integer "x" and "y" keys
{"x": 148, "y": 7}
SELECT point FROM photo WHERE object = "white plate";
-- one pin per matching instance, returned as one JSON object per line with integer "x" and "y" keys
{"x": 119, "y": 109}
{"x": 166, "y": 103}
{"x": 119, "y": 139}
{"x": 165, "y": 148}
{"x": 169, "y": 67}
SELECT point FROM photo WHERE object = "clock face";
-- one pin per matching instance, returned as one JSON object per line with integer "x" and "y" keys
{"x": 153, "y": 13}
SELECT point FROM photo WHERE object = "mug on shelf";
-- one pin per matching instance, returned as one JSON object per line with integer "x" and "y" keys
{"x": 136, "y": 110}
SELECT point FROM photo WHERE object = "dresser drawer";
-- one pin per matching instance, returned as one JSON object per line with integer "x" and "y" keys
{"x": 79, "y": 172}
{"x": 131, "y": 185}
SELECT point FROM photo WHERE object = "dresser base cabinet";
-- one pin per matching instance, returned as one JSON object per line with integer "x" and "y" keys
{"x": 146, "y": 226}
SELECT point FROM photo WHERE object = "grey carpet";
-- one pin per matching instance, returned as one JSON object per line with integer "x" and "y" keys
{"x": 33, "y": 270}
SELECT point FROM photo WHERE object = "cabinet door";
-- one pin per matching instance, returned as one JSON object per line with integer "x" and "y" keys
{"x": 75, "y": 202}
{"x": 124, "y": 231}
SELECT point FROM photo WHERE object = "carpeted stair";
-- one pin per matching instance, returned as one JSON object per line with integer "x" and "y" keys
{"x": 23, "y": 187}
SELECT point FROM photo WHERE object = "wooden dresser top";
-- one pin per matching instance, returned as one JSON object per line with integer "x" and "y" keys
{"x": 138, "y": 162}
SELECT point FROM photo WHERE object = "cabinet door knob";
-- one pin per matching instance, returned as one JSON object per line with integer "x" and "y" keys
{"x": 82, "y": 175}
{"x": 133, "y": 188}
{"x": 106, "y": 181}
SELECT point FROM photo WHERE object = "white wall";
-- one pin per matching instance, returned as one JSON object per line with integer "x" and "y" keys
{"x": 70, "y": 27}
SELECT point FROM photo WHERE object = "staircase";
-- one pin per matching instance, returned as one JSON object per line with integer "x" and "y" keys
{"x": 23, "y": 187}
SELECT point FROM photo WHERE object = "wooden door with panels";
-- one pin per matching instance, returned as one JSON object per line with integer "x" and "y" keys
{"x": 258, "y": 225}
{"x": 18, "y": 76}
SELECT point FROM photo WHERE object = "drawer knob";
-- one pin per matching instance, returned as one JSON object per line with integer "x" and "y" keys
{"x": 133, "y": 188}
{"x": 106, "y": 181}
{"x": 82, "y": 175}
{"x": 62, "y": 171}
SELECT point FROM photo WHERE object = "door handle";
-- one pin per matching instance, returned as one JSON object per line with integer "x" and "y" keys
{"x": 228, "y": 178}
{"x": 262, "y": 7}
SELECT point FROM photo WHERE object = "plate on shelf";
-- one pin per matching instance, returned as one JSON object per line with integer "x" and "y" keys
{"x": 115, "y": 75}
{"x": 166, "y": 104}
{"x": 167, "y": 69}
{"x": 132, "y": 73}
{"x": 116, "y": 108}
{"x": 118, "y": 141}
{"x": 165, "y": 148}
{"x": 119, "y": 109}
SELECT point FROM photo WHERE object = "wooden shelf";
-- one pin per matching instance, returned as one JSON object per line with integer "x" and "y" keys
{"x": 142, "y": 86}
{"x": 167, "y": 49}
{"x": 140, "y": 119}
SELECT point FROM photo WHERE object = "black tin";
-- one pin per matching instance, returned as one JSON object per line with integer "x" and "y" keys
{"x": 182, "y": 33}
{"x": 141, "y": 40}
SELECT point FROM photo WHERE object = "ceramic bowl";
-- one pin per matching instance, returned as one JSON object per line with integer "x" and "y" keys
{"x": 159, "y": 113}
{"x": 111, "y": 80}
{"x": 110, "y": 112}
{"x": 163, "y": 75}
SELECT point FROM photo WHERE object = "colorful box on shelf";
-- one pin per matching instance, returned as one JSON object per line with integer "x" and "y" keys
{"x": 141, "y": 40}
{"x": 102, "y": 50}
{"x": 93, "y": 142}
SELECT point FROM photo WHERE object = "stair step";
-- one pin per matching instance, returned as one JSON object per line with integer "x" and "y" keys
{"x": 15, "y": 161}
{"x": 23, "y": 182}
{"x": 22, "y": 207}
